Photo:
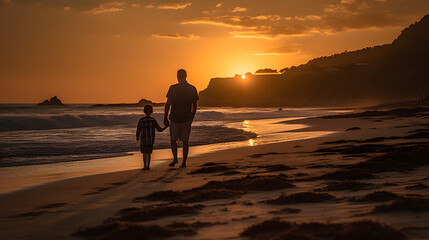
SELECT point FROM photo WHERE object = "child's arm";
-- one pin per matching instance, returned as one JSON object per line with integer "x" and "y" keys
{"x": 158, "y": 128}
{"x": 139, "y": 128}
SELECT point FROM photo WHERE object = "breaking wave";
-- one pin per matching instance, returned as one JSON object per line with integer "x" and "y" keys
{"x": 65, "y": 121}
{"x": 71, "y": 145}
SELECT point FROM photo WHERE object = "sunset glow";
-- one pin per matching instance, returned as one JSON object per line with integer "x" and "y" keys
{"x": 122, "y": 51}
{"x": 186, "y": 119}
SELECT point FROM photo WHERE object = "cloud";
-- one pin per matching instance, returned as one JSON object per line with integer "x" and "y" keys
{"x": 267, "y": 17}
{"x": 261, "y": 26}
{"x": 308, "y": 18}
{"x": 170, "y": 6}
{"x": 360, "y": 21}
{"x": 351, "y": 14}
{"x": 107, "y": 7}
{"x": 233, "y": 21}
{"x": 282, "y": 50}
{"x": 239, "y": 9}
{"x": 251, "y": 19}
{"x": 348, "y": 1}
{"x": 272, "y": 32}
{"x": 286, "y": 49}
{"x": 329, "y": 19}
{"x": 176, "y": 36}
{"x": 227, "y": 21}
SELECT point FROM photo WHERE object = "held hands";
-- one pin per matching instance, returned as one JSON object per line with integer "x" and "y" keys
{"x": 166, "y": 123}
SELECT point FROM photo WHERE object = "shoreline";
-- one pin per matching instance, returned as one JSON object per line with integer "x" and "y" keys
{"x": 18, "y": 178}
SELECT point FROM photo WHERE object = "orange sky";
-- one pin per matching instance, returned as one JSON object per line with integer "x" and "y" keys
{"x": 98, "y": 51}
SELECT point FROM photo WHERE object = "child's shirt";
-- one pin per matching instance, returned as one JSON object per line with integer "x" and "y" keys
{"x": 146, "y": 130}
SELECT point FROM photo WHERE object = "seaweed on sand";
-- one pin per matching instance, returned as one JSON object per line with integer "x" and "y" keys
{"x": 276, "y": 167}
{"x": 210, "y": 169}
{"x": 344, "y": 185}
{"x": 153, "y": 212}
{"x": 357, "y": 149}
{"x": 418, "y": 186}
{"x": 29, "y": 214}
{"x": 301, "y": 197}
{"x": 402, "y": 159}
{"x": 230, "y": 172}
{"x": 399, "y": 112}
{"x": 378, "y": 196}
{"x": 353, "y": 128}
{"x": 348, "y": 174}
{"x": 365, "y": 229}
{"x": 192, "y": 195}
{"x": 120, "y": 230}
{"x": 418, "y": 135}
{"x": 52, "y": 205}
{"x": 286, "y": 210}
{"x": 222, "y": 189}
{"x": 252, "y": 183}
{"x": 209, "y": 164}
{"x": 259, "y": 155}
{"x": 413, "y": 204}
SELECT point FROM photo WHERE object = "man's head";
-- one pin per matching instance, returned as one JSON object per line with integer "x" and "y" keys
{"x": 181, "y": 75}
{"x": 148, "y": 109}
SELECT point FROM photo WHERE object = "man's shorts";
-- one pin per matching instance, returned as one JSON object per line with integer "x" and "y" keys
{"x": 180, "y": 131}
{"x": 146, "y": 149}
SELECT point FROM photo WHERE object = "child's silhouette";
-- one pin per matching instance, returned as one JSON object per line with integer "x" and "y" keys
{"x": 146, "y": 134}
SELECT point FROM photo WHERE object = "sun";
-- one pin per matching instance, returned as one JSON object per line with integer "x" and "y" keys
{"x": 243, "y": 76}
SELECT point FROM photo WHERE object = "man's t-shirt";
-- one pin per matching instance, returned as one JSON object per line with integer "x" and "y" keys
{"x": 181, "y": 96}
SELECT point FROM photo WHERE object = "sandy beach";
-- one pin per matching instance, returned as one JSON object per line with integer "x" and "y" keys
{"x": 367, "y": 180}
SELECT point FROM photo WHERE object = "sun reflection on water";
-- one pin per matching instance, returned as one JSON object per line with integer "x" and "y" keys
{"x": 245, "y": 124}
{"x": 251, "y": 142}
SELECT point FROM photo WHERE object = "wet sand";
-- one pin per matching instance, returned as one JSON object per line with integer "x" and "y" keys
{"x": 367, "y": 181}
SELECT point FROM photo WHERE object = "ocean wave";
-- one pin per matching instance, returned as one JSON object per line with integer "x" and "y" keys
{"x": 117, "y": 141}
{"x": 64, "y": 121}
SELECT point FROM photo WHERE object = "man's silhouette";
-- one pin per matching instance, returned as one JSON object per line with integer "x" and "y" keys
{"x": 182, "y": 99}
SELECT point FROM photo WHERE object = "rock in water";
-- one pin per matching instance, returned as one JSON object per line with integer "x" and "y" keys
{"x": 51, "y": 102}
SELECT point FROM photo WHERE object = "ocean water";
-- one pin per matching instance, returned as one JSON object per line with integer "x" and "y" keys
{"x": 31, "y": 135}
{"x": 39, "y": 145}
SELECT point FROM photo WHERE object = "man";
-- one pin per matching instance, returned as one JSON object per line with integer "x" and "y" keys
{"x": 182, "y": 99}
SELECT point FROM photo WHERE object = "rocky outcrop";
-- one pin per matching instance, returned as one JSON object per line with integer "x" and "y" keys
{"x": 54, "y": 101}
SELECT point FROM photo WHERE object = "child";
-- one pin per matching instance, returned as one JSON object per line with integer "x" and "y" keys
{"x": 146, "y": 133}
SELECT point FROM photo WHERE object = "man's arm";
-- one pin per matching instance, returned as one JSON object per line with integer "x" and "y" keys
{"x": 159, "y": 128}
{"x": 194, "y": 108}
{"x": 194, "y": 103}
{"x": 166, "y": 110}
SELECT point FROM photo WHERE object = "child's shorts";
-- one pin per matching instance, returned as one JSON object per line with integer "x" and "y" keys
{"x": 146, "y": 149}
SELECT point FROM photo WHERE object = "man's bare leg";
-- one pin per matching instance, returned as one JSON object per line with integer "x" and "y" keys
{"x": 174, "y": 150}
{"x": 185, "y": 153}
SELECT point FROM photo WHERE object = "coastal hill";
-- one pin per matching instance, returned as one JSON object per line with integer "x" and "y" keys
{"x": 382, "y": 74}
{"x": 54, "y": 101}
{"x": 141, "y": 103}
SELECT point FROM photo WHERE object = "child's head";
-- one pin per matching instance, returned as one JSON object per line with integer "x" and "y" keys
{"x": 148, "y": 109}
